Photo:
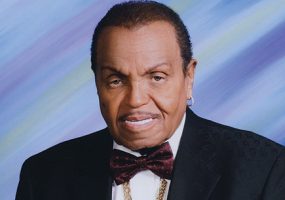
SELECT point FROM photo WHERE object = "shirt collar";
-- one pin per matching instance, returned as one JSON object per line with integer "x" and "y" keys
{"x": 174, "y": 140}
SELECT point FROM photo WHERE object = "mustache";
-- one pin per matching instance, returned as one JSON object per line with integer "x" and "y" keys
{"x": 137, "y": 113}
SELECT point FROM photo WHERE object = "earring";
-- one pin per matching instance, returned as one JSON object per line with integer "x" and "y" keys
{"x": 190, "y": 102}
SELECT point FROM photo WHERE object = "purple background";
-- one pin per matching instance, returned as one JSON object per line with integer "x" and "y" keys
{"x": 47, "y": 91}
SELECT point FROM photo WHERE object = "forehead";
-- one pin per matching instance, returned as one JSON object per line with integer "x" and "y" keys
{"x": 159, "y": 26}
{"x": 144, "y": 43}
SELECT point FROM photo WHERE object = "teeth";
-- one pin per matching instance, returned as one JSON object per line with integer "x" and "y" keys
{"x": 140, "y": 122}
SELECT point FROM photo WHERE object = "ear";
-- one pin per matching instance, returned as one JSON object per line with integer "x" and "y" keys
{"x": 189, "y": 75}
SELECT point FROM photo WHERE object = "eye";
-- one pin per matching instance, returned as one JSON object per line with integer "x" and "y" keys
{"x": 115, "y": 83}
{"x": 157, "y": 78}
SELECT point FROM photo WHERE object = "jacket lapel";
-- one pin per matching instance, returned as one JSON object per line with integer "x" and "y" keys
{"x": 93, "y": 179}
{"x": 196, "y": 168}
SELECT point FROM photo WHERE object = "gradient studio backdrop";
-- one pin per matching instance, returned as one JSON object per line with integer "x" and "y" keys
{"x": 47, "y": 91}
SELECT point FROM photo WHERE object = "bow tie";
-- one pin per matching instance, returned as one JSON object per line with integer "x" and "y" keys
{"x": 124, "y": 165}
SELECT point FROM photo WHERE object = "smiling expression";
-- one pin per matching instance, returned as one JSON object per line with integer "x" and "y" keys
{"x": 141, "y": 84}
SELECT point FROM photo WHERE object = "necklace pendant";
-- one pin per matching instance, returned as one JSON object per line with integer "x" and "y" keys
{"x": 160, "y": 195}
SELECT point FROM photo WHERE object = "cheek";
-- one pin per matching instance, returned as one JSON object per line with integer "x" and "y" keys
{"x": 104, "y": 111}
{"x": 171, "y": 97}
{"x": 108, "y": 108}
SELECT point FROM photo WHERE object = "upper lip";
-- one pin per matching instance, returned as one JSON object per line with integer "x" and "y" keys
{"x": 137, "y": 116}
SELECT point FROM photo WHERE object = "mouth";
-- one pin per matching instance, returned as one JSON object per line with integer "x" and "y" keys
{"x": 138, "y": 121}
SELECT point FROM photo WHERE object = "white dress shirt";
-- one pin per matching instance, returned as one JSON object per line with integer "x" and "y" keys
{"x": 145, "y": 184}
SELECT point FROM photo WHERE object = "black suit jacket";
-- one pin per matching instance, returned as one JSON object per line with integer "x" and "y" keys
{"x": 213, "y": 162}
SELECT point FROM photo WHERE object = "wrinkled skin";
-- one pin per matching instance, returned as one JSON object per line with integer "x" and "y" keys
{"x": 141, "y": 84}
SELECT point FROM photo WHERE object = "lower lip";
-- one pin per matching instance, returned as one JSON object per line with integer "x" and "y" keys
{"x": 139, "y": 125}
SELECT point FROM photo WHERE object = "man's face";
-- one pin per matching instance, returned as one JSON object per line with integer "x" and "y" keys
{"x": 141, "y": 85}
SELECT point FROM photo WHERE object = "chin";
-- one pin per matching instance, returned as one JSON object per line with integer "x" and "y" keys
{"x": 140, "y": 144}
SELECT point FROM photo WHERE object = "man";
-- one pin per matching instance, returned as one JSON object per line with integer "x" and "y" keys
{"x": 154, "y": 146}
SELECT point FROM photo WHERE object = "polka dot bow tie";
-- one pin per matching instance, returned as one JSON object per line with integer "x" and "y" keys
{"x": 159, "y": 160}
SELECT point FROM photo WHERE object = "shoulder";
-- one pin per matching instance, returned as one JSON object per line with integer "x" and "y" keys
{"x": 236, "y": 137}
{"x": 64, "y": 165}
{"x": 239, "y": 138}
{"x": 74, "y": 150}
{"x": 235, "y": 142}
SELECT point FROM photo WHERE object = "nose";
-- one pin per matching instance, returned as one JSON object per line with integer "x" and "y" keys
{"x": 137, "y": 94}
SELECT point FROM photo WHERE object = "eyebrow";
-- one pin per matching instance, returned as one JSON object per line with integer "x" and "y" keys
{"x": 108, "y": 67}
{"x": 112, "y": 71}
{"x": 149, "y": 69}
{"x": 152, "y": 68}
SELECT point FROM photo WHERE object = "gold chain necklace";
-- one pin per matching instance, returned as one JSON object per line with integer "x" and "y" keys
{"x": 160, "y": 195}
